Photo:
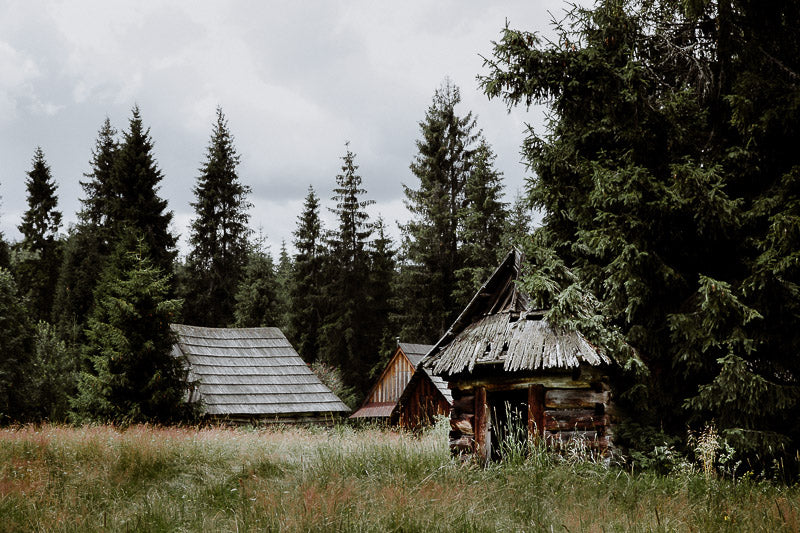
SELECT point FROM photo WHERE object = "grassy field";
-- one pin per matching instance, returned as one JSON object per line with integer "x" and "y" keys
{"x": 153, "y": 479}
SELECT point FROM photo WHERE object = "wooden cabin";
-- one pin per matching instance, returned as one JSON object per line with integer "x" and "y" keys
{"x": 425, "y": 397}
{"x": 244, "y": 375}
{"x": 384, "y": 395}
{"x": 513, "y": 375}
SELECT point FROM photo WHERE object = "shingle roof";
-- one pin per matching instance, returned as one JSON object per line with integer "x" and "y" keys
{"x": 251, "y": 371}
{"x": 415, "y": 352}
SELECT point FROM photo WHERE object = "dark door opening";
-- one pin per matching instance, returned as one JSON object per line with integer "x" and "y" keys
{"x": 508, "y": 414}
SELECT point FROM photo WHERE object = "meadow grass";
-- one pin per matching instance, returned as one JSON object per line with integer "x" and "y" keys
{"x": 55, "y": 478}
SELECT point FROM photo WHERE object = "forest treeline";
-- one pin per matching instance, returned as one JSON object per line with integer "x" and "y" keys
{"x": 668, "y": 175}
{"x": 88, "y": 311}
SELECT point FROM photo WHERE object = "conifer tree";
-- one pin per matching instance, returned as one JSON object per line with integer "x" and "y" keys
{"x": 520, "y": 223}
{"x": 97, "y": 190}
{"x": 39, "y": 250}
{"x": 135, "y": 204}
{"x": 431, "y": 254}
{"x": 483, "y": 221}
{"x": 16, "y": 346}
{"x": 87, "y": 246}
{"x": 668, "y": 182}
{"x": 307, "y": 303}
{"x": 347, "y": 339}
{"x": 219, "y": 232}
{"x": 132, "y": 375}
{"x": 383, "y": 265}
{"x": 257, "y": 302}
{"x": 284, "y": 278}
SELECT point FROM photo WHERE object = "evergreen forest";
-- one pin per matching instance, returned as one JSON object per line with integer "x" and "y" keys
{"x": 667, "y": 178}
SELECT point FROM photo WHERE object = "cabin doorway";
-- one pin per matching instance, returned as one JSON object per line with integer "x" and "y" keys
{"x": 508, "y": 422}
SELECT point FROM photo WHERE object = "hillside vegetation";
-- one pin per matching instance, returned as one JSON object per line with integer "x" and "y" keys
{"x": 143, "y": 478}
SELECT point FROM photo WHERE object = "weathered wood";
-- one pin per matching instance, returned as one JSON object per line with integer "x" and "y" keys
{"x": 463, "y": 444}
{"x": 482, "y": 439}
{"x": 589, "y": 378}
{"x": 560, "y": 420}
{"x": 536, "y": 413}
{"x": 465, "y": 404}
{"x": 574, "y": 398}
{"x": 463, "y": 424}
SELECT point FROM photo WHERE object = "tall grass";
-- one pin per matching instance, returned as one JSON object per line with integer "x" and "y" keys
{"x": 294, "y": 479}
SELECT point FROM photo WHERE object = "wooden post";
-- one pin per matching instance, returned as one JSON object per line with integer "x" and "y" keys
{"x": 481, "y": 421}
{"x": 536, "y": 410}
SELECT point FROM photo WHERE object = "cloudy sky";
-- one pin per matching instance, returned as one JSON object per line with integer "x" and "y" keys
{"x": 296, "y": 80}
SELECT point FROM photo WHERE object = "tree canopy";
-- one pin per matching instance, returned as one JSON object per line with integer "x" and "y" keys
{"x": 668, "y": 181}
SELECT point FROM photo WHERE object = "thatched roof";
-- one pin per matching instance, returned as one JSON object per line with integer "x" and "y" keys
{"x": 497, "y": 327}
{"x": 252, "y": 372}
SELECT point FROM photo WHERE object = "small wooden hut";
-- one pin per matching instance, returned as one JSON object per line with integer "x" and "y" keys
{"x": 514, "y": 375}
{"x": 425, "y": 397}
{"x": 252, "y": 375}
{"x": 381, "y": 402}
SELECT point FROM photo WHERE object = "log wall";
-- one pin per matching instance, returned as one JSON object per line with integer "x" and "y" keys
{"x": 578, "y": 414}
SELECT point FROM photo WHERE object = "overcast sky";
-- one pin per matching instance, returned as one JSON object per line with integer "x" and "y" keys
{"x": 295, "y": 79}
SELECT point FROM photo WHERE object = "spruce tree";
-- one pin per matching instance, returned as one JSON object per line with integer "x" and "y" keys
{"x": 132, "y": 375}
{"x": 135, "y": 204}
{"x": 257, "y": 300}
{"x": 483, "y": 222}
{"x": 16, "y": 346}
{"x": 668, "y": 182}
{"x": 383, "y": 271}
{"x": 284, "y": 278}
{"x": 520, "y": 223}
{"x": 431, "y": 254}
{"x": 307, "y": 303}
{"x": 219, "y": 232}
{"x": 97, "y": 190}
{"x": 87, "y": 246}
{"x": 39, "y": 250}
{"x": 347, "y": 339}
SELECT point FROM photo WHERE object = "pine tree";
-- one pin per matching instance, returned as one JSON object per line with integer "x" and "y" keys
{"x": 39, "y": 251}
{"x": 135, "y": 204}
{"x": 257, "y": 302}
{"x": 346, "y": 337}
{"x": 132, "y": 375}
{"x": 431, "y": 253}
{"x": 307, "y": 304}
{"x": 483, "y": 221}
{"x": 668, "y": 184}
{"x": 219, "y": 232}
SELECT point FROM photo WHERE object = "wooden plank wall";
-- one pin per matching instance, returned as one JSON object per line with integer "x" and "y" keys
{"x": 424, "y": 403}
{"x": 393, "y": 381}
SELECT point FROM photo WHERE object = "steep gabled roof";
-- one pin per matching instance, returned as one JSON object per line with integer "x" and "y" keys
{"x": 383, "y": 396}
{"x": 415, "y": 352}
{"x": 251, "y": 372}
{"x": 498, "y": 327}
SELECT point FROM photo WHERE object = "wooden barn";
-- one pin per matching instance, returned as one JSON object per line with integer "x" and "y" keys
{"x": 514, "y": 375}
{"x": 382, "y": 401}
{"x": 252, "y": 375}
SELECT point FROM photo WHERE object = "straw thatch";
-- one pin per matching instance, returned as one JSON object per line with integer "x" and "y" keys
{"x": 251, "y": 373}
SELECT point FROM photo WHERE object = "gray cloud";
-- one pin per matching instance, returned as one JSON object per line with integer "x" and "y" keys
{"x": 296, "y": 80}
